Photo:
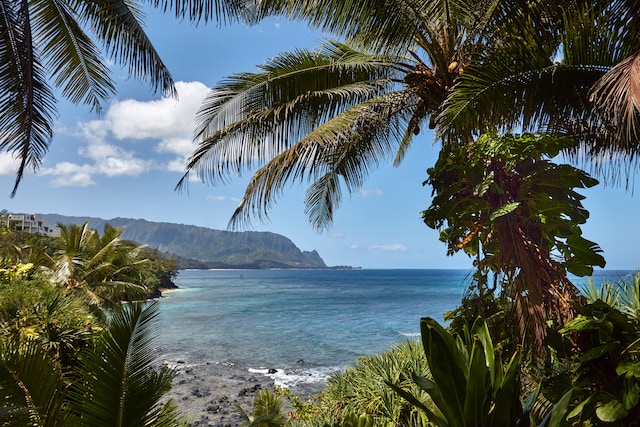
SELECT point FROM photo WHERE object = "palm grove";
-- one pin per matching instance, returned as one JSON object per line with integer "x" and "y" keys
{"x": 507, "y": 87}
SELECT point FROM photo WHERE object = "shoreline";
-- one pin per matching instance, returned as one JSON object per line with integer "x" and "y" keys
{"x": 206, "y": 394}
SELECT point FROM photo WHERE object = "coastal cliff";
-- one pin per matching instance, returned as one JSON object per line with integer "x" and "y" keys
{"x": 201, "y": 247}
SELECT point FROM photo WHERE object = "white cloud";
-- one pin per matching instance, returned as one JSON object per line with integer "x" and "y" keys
{"x": 167, "y": 122}
{"x": 181, "y": 146}
{"x": 214, "y": 197}
{"x": 70, "y": 175}
{"x": 8, "y": 165}
{"x": 369, "y": 192}
{"x": 393, "y": 247}
{"x": 114, "y": 166}
{"x": 161, "y": 119}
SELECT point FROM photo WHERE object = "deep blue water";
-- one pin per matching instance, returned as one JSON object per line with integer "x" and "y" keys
{"x": 275, "y": 318}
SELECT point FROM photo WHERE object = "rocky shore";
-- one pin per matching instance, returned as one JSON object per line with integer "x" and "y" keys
{"x": 207, "y": 393}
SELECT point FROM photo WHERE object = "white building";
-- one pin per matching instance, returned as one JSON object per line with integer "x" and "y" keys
{"x": 31, "y": 223}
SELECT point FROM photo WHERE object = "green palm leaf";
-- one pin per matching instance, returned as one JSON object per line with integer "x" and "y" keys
{"x": 117, "y": 24}
{"x": 122, "y": 386}
{"x": 542, "y": 81}
{"x": 31, "y": 381}
{"x": 325, "y": 116}
{"x": 75, "y": 62}
{"x": 26, "y": 121}
{"x": 60, "y": 41}
{"x": 339, "y": 152}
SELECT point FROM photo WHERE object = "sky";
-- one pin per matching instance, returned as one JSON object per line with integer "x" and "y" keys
{"x": 126, "y": 162}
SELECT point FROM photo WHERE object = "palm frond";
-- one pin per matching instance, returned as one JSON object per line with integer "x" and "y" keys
{"x": 616, "y": 97}
{"x": 118, "y": 25}
{"x": 342, "y": 150}
{"x": 607, "y": 292}
{"x": 225, "y": 11}
{"x": 122, "y": 386}
{"x": 292, "y": 78}
{"x": 250, "y": 118}
{"x": 517, "y": 84}
{"x": 31, "y": 381}
{"x": 26, "y": 122}
{"x": 73, "y": 60}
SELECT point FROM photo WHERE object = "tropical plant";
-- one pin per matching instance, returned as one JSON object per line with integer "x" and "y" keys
{"x": 569, "y": 69}
{"x": 21, "y": 247}
{"x": 268, "y": 411}
{"x": 54, "y": 42}
{"x": 39, "y": 311}
{"x": 102, "y": 269}
{"x": 362, "y": 388}
{"x": 466, "y": 67}
{"x": 469, "y": 385}
{"x": 121, "y": 385}
{"x": 329, "y": 116}
{"x": 622, "y": 294}
{"x": 601, "y": 382}
{"x": 118, "y": 384}
{"x": 32, "y": 384}
{"x": 504, "y": 203}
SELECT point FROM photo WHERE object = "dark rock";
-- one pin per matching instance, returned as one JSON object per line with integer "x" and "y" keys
{"x": 300, "y": 362}
{"x": 249, "y": 391}
{"x": 272, "y": 371}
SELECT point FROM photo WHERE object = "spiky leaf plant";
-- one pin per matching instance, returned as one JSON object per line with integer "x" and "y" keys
{"x": 121, "y": 386}
{"x": 32, "y": 389}
{"x": 469, "y": 385}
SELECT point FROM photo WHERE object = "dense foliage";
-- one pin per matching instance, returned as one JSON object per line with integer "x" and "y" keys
{"x": 565, "y": 67}
{"x": 506, "y": 204}
{"x": 70, "y": 352}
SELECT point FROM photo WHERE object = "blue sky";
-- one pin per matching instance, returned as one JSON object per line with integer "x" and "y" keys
{"x": 127, "y": 161}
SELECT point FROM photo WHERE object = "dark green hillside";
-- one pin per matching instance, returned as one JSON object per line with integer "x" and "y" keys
{"x": 213, "y": 248}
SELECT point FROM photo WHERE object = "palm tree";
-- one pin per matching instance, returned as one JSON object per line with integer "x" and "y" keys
{"x": 115, "y": 385}
{"x": 56, "y": 42}
{"x": 329, "y": 116}
{"x": 101, "y": 269}
{"x": 573, "y": 73}
{"x": 122, "y": 387}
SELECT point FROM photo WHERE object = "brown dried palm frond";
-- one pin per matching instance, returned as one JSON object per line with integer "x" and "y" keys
{"x": 616, "y": 97}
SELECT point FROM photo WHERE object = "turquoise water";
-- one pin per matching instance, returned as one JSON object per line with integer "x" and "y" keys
{"x": 326, "y": 318}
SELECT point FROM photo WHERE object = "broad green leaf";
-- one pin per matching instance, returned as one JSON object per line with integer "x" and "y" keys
{"x": 504, "y": 210}
{"x": 507, "y": 394}
{"x": 478, "y": 390}
{"x": 426, "y": 385}
{"x": 631, "y": 394}
{"x": 481, "y": 330}
{"x": 597, "y": 352}
{"x": 611, "y": 411}
{"x": 447, "y": 368}
{"x": 629, "y": 369}
{"x": 580, "y": 407}
{"x": 560, "y": 409}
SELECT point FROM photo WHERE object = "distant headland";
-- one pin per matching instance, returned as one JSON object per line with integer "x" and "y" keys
{"x": 205, "y": 248}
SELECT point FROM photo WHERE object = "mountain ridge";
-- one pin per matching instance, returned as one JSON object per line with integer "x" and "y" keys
{"x": 207, "y": 247}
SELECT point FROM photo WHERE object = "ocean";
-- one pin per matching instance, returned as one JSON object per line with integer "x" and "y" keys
{"x": 305, "y": 324}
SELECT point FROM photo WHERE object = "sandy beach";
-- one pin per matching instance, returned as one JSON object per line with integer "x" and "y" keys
{"x": 206, "y": 394}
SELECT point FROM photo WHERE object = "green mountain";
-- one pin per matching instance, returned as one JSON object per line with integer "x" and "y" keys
{"x": 200, "y": 247}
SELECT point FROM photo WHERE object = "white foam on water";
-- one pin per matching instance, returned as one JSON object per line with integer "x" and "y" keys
{"x": 288, "y": 378}
{"x": 410, "y": 334}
